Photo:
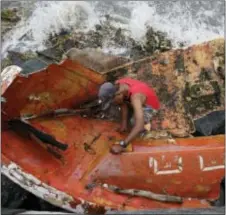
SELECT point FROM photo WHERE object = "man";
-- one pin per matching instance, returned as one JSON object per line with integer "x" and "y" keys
{"x": 127, "y": 92}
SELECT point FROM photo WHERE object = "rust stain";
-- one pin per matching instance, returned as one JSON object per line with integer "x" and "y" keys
{"x": 176, "y": 182}
{"x": 149, "y": 181}
{"x": 102, "y": 201}
{"x": 77, "y": 85}
{"x": 151, "y": 165}
{"x": 202, "y": 189}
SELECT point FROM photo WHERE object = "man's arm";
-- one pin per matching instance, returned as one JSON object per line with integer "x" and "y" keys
{"x": 136, "y": 102}
{"x": 124, "y": 110}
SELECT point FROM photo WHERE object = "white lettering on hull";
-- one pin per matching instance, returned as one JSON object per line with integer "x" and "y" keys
{"x": 209, "y": 168}
{"x": 154, "y": 163}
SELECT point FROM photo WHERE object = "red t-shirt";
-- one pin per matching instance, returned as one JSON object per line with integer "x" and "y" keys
{"x": 136, "y": 86}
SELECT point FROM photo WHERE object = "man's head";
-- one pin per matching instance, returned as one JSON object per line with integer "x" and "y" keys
{"x": 110, "y": 93}
{"x": 106, "y": 94}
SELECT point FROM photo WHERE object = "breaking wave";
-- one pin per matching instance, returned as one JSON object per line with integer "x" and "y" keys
{"x": 189, "y": 22}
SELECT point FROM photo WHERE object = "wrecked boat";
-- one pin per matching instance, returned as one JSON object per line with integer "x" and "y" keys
{"x": 55, "y": 143}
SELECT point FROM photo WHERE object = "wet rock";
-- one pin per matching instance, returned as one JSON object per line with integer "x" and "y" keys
{"x": 106, "y": 34}
{"x": 98, "y": 27}
{"x": 53, "y": 54}
{"x": 59, "y": 44}
{"x": 156, "y": 40}
{"x": 6, "y": 62}
{"x": 15, "y": 197}
{"x": 120, "y": 38}
{"x": 137, "y": 51}
{"x": 95, "y": 59}
{"x": 34, "y": 65}
{"x": 9, "y": 18}
{"x": 10, "y": 15}
{"x": 12, "y": 195}
{"x": 17, "y": 58}
{"x": 35, "y": 203}
{"x": 5, "y": 27}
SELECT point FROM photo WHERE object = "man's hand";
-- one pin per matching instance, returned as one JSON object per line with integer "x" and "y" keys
{"x": 117, "y": 149}
{"x": 122, "y": 129}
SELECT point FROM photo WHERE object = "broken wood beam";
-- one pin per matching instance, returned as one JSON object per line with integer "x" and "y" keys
{"x": 57, "y": 113}
{"x": 26, "y": 129}
{"x": 146, "y": 194}
{"x": 128, "y": 64}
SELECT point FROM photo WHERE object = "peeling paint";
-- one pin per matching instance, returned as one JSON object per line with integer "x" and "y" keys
{"x": 46, "y": 192}
{"x": 3, "y": 99}
{"x": 32, "y": 97}
{"x": 8, "y": 75}
{"x": 124, "y": 165}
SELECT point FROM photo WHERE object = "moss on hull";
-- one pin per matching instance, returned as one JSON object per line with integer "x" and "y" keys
{"x": 188, "y": 83}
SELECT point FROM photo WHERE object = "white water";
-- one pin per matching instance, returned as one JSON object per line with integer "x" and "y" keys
{"x": 190, "y": 22}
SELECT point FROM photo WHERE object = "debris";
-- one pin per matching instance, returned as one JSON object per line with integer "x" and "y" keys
{"x": 73, "y": 86}
{"x": 88, "y": 147}
{"x": 171, "y": 141}
{"x": 25, "y": 129}
{"x": 146, "y": 194}
{"x": 54, "y": 113}
{"x": 156, "y": 134}
{"x": 211, "y": 124}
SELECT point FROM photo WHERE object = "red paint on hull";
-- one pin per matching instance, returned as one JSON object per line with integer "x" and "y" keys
{"x": 189, "y": 167}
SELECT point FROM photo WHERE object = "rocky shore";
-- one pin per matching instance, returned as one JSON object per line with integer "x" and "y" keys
{"x": 104, "y": 35}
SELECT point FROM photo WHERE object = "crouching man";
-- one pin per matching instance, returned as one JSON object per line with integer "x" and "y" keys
{"x": 130, "y": 94}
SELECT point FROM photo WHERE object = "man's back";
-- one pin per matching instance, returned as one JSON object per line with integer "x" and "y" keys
{"x": 136, "y": 86}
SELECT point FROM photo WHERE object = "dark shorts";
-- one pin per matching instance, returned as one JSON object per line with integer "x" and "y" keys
{"x": 148, "y": 114}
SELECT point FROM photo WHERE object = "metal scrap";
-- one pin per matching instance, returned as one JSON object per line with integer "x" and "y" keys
{"x": 88, "y": 148}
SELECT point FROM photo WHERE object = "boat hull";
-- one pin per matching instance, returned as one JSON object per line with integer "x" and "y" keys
{"x": 192, "y": 168}
{"x": 79, "y": 178}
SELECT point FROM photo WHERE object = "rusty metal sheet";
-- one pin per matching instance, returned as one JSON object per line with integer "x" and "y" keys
{"x": 8, "y": 75}
{"x": 189, "y": 83}
{"x": 62, "y": 85}
{"x": 192, "y": 168}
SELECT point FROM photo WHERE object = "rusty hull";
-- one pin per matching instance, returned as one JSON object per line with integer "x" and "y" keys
{"x": 189, "y": 82}
{"x": 64, "y": 85}
{"x": 192, "y": 168}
